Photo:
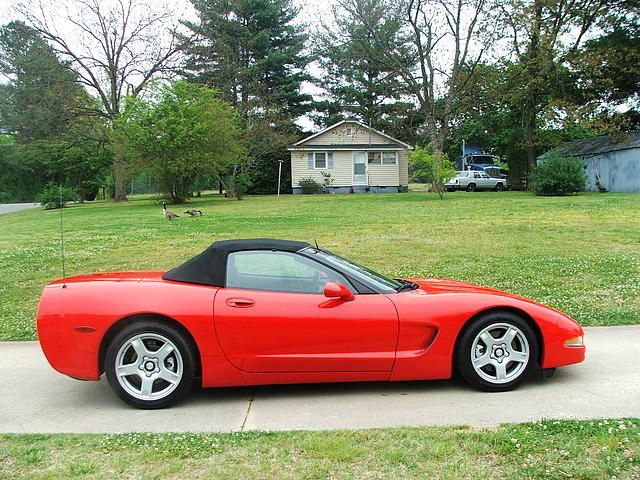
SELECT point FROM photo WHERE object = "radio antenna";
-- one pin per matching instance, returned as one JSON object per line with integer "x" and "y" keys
{"x": 316, "y": 241}
{"x": 64, "y": 285}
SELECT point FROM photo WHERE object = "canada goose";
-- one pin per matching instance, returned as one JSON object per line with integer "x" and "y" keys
{"x": 167, "y": 213}
{"x": 193, "y": 212}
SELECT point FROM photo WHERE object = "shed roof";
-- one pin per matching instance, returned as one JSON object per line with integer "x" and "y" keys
{"x": 596, "y": 145}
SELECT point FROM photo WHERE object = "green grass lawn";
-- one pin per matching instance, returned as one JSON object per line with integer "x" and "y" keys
{"x": 578, "y": 254}
{"x": 603, "y": 449}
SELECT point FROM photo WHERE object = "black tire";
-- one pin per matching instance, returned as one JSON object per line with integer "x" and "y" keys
{"x": 517, "y": 357}
{"x": 471, "y": 187}
{"x": 162, "y": 376}
{"x": 499, "y": 187}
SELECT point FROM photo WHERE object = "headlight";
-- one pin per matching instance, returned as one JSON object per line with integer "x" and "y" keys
{"x": 574, "y": 342}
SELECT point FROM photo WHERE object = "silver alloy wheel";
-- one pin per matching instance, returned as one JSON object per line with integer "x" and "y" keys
{"x": 149, "y": 366}
{"x": 500, "y": 353}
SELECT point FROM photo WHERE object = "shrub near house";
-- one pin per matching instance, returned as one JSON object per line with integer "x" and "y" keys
{"x": 558, "y": 175}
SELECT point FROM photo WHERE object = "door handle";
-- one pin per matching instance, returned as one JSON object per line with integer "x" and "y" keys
{"x": 240, "y": 302}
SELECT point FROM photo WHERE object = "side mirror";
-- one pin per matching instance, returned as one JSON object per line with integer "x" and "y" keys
{"x": 338, "y": 290}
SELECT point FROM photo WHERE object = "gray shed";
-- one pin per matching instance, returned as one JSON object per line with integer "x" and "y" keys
{"x": 613, "y": 161}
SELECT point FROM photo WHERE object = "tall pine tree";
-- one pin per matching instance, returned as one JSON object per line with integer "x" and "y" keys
{"x": 41, "y": 98}
{"x": 359, "y": 83}
{"x": 252, "y": 53}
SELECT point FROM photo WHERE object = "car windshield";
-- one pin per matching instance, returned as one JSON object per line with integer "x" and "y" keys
{"x": 347, "y": 266}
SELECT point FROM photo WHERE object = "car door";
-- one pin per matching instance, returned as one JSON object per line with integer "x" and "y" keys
{"x": 273, "y": 317}
{"x": 487, "y": 181}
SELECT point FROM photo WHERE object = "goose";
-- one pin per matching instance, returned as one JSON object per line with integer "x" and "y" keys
{"x": 167, "y": 213}
{"x": 193, "y": 212}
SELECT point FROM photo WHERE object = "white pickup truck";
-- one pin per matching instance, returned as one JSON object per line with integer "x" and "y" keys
{"x": 471, "y": 180}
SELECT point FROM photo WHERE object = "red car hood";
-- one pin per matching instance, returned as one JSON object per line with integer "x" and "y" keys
{"x": 444, "y": 285}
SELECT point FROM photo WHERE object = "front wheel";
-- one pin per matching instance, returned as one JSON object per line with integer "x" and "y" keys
{"x": 498, "y": 187}
{"x": 150, "y": 365}
{"x": 497, "y": 352}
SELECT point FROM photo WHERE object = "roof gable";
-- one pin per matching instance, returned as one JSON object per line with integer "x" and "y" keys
{"x": 350, "y": 132}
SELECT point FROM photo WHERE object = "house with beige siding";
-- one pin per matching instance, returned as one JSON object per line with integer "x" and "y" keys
{"x": 358, "y": 158}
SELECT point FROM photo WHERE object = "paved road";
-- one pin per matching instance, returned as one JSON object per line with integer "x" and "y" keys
{"x": 14, "y": 207}
{"x": 35, "y": 399}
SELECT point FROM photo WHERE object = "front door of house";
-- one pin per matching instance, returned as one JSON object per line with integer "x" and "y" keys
{"x": 360, "y": 168}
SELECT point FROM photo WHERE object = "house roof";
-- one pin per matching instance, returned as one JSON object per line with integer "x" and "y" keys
{"x": 596, "y": 145}
{"x": 305, "y": 140}
{"x": 352, "y": 146}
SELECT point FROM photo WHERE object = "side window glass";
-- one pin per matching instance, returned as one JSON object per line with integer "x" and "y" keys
{"x": 278, "y": 272}
{"x": 476, "y": 175}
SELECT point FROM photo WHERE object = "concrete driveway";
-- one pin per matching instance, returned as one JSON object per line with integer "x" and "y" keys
{"x": 14, "y": 207}
{"x": 35, "y": 399}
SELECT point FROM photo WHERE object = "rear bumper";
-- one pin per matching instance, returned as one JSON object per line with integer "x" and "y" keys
{"x": 67, "y": 350}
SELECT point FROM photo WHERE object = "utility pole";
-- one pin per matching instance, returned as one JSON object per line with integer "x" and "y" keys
{"x": 279, "y": 176}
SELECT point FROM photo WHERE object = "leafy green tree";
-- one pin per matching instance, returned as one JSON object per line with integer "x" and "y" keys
{"x": 608, "y": 66}
{"x": 546, "y": 35}
{"x": 427, "y": 165}
{"x": 182, "y": 132}
{"x": 115, "y": 48}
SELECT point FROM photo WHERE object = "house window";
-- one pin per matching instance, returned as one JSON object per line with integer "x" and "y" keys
{"x": 388, "y": 158}
{"x": 382, "y": 158}
{"x": 319, "y": 160}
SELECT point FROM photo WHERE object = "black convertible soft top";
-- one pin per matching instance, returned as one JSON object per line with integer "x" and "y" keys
{"x": 210, "y": 266}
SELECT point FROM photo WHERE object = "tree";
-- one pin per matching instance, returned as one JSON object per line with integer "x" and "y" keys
{"x": 181, "y": 132}
{"x": 41, "y": 98}
{"x": 432, "y": 50}
{"x": 351, "y": 51}
{"x": 428, "y": 166}
{"x": 252, "y": 52}
{"x": 46, "y": 112}
{"x": 609, "y": 65}
{"x": 546, "y": 35}
{"x": 116, "y": 49}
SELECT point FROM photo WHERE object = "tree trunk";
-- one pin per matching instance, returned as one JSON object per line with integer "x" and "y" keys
{"x": 437, "y": 144}
{"x": 532, "y": 149}
{"x": 119, "y": 171}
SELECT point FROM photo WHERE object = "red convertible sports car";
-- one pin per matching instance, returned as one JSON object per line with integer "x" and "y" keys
{"x": 262, "y": 311}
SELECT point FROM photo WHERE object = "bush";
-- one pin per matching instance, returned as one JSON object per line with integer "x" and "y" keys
{"x": 309, "y": 185}
{"x": 49, "y": 198}
{"x": 557, "y": 175}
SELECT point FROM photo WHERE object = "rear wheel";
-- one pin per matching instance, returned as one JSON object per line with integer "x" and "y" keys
{"x": 150, "y": 365}
{"x": 497, "y": 352}
{"x": 471, "y": 187}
